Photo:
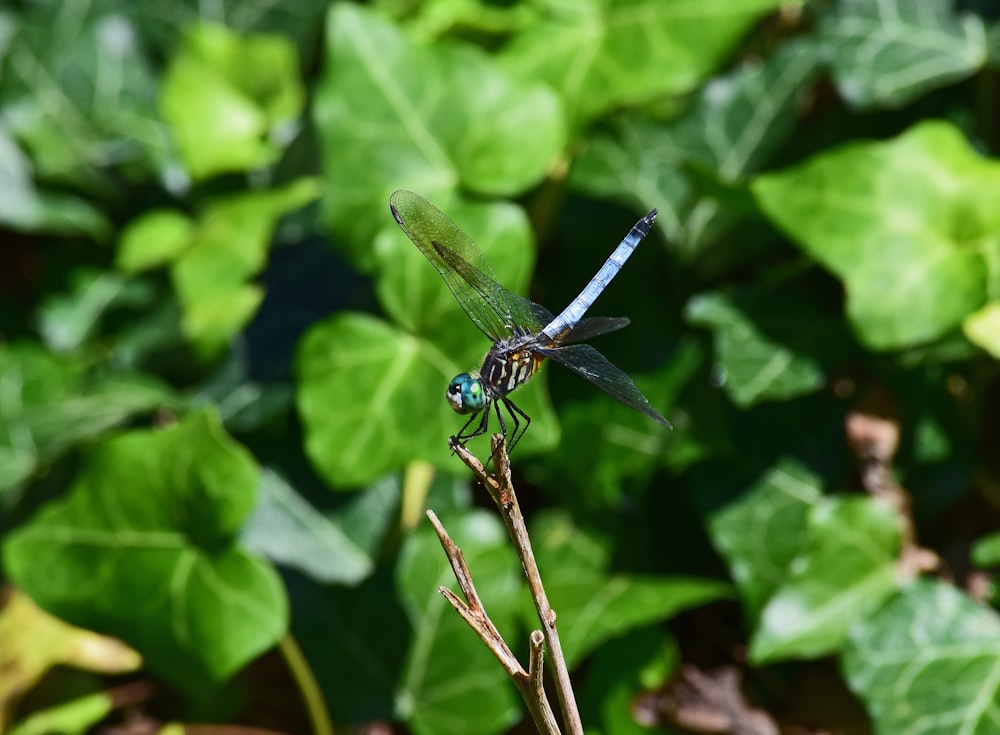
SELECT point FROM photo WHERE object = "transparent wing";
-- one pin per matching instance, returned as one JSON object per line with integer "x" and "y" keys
{"x": 587, "y": 362}
{"x": 593, "y": 326}
{"x": 491, "y": 307}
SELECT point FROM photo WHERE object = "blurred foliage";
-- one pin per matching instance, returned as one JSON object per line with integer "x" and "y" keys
{"x": 222, "y": 364}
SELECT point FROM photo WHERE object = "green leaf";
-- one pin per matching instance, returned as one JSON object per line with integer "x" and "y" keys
{"x": 452, "y": 684}
{"x": 926, "y": 663}
{"x": 982, "y": 328}
{"x": 907, "y": 224}
{"x": 734, "y": 125}
{"x": 844, "y": 574}
{"x": 888, "y": 54}
{"x": 81, "y": 715}
{"x": 620, "y": 670}
{"x": 377, "y": 377}
{"x": 48, "y": 404}
{"x": 79, "y": 93}
{"x": 388, "y": 387}
{"x": 287, "y": 530}
{"x": 601, "y": 55}
{"x": 385, "y": 114}
{"x": 67, "y": 320}
{"x": 143, "y": 546}
{"x": 228, "y": 98}
{"x": 755, "y": 365}
{"x": 986, "y": 550}
{"x": 155, "y": 239}
{"x": 593, "y": 605}
{"x": 413, "y": 292}
{"x": 760, "y": 534}
{"x": 230, "y": 247}
{"x": 27, "y": 207}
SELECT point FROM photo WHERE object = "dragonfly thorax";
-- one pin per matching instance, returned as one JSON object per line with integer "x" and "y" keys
{"x": 466, "y": 394}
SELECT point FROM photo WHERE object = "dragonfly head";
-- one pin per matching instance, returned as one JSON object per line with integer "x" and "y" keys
{"x": 466, "y": 394}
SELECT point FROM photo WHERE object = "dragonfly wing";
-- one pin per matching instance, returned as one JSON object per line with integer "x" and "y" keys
{"x": 587, "y": 362}
{"x": 594, "y": 326}
{"x": 469, "y": 275}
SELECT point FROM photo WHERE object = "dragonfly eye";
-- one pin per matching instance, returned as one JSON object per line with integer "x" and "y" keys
{"x": 465, "y": 394}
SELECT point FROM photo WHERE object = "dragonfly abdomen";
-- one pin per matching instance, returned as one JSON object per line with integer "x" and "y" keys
{"x": 504, "y": 371}
{"x": 573, "y": 313}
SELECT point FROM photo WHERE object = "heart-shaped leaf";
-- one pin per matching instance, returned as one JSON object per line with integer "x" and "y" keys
{"x": 926, "y": 663}
{"x": 909, "y": 225}
{"x": 143, "y": 546}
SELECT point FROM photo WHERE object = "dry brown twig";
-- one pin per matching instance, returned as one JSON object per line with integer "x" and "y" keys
{"x": 530, "y": 683}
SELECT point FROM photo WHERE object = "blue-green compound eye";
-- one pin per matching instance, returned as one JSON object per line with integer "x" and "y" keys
{"x": 466, "y": 394}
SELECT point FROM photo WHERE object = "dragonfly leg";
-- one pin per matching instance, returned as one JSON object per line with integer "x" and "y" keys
{"x": 515, "y": 411}
{"x": 484, "y": 421}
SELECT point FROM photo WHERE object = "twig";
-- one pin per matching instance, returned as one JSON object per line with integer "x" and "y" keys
{"x": 529, "y": 684}
{"x": 501, "y": 489}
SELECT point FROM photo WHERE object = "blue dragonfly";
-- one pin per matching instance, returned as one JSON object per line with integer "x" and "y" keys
{"x": 523, "y": 333}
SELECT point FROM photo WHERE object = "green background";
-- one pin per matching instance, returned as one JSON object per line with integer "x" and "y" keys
{"x": 222, "y": 364}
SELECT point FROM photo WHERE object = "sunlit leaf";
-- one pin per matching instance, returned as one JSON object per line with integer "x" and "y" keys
{"x": 928, "y": 634}
{"x": 761, "y": 533}
{"x": 212, "y": 277}
{"x": 599, "y": 55}
{"x": 908, "y": 225}
{"x": 385, "y": 114}
{"x": 844, "y": 572}
{"x": 143, "y": 546}
{"x": 889, "y": 53}
{"x": 228, "y": 98}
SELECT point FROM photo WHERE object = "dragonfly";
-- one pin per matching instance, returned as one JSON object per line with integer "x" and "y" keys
{"x": 523, "y": 333}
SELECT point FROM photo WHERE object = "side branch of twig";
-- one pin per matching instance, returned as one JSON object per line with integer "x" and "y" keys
{"x": 501, "y": 490}
{"x": 529, "y": 684}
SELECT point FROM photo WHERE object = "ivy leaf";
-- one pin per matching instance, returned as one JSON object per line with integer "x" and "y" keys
{"x": 845, "y": 572}
{"x": 389, "y": 384}
{"x": 986, "y": 550}
{"x": 157, "y": 238}
{"x": 413, "y": 292}
{"x": 229, "y": 97}
{"x": 67, "y": 320}
{"x": 622, "y": 669}
{"x": 733, "y": 126}
{"x": 887, "y": 54}
{"x": 451, "y": 684}
{"x": 49, "y": 404}
{"x": 595, "y": 605}
{"x": 143, "y": 546}
{"x": 762, "y": 532}
{"x": 90, "y": 66}
{"x": 755, "y": 365}
{"x": 287, "y": 530}
{"x": 32, "y": 643}
{"x": 909, "y": 225}
{"x": 591, "y": 51}
{"x": 982, "y": 328}
{"x": 388, "y": 387}
{"x": 385, "y": 114}
{"x": 928, "y": 634}
{"x": 229, "y": 247}
{"x": 28, "y": 207}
